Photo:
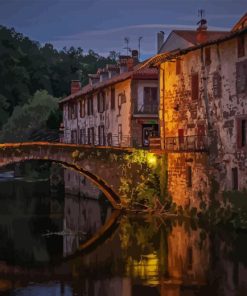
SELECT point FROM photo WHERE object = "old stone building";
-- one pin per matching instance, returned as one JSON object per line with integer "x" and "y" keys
{"x": 203, "y": 116}
{"x": 119, "y": 106}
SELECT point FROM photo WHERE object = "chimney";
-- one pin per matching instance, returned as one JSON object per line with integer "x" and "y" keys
{"x": 160, "y": 40}
{"x": 123, "y": 63}
{"x": 202, "y": 35}
{"x": 75, "y": 86}
{"x": 103, "y": 74}
{"x": 112, "y": 69}
{"x": 135, "y": 56}
{"x": 93, "y": 78}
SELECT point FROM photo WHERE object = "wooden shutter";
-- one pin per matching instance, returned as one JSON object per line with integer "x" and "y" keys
{"x": 194, "y": 86}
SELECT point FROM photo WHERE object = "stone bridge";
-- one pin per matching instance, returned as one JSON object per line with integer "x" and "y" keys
{"x": 104, "y": 166}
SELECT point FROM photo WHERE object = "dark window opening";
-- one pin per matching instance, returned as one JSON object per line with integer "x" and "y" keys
{"x": 234, "y": 178}
{"x": 207, "y": 56}
{"x": 101, "y": 135}
{"x": 242, "y": 133}
{"x": 189, "y": 258}
{"x": 101, "y": 102}
{"x": 113, "y": 98}
{"x": 150, "y": 104}
{"x": 82, "y": 108}
{"x": 120, "y": 134}
{"x": 241, "y": 77}
{"x": 241, "y": 45}
{"x": 90, "y": 135}
{"x": 90, "y": 106}
{"x": 189, "y": 176}
{"x": 194, "y": 86}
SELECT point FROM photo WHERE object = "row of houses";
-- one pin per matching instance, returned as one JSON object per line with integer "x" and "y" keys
{"x": 190, "y": 97}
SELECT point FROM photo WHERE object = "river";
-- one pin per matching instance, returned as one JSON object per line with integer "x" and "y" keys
{"x": 60, "y": 236}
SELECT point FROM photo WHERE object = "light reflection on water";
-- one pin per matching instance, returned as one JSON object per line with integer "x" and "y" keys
{"x": 42, "y": 225}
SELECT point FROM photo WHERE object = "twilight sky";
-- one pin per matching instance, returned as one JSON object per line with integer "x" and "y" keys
{"x": 103, "y": 24}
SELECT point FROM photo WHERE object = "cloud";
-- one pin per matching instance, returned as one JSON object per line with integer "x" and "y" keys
{"x": 103, "y": 41}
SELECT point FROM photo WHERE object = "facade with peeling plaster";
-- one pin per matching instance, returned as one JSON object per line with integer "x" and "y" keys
{"x": 119, "y": 107}
{"x": 203, "y": 117}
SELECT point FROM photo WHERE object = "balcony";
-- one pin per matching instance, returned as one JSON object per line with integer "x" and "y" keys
{"x": 147, "y": 109}
{"x": 186, "y": 144}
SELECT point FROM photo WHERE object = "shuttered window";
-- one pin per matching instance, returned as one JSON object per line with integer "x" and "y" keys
{"x": 207, "y": 56}
{"x": 241, "y": 77}
{"x": 194, "y": 86}
{"x": 241, "y": 45}
{"x": 113, "y": 98}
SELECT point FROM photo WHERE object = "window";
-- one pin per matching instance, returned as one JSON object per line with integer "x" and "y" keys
{"x": 194, "y": 86}
{"x": 113, "y": 98}
{"x": 241, "y": 49}
{"x": 242, "y": 132}
{"x": 101, "y": 135}
{"x": 109, "y": 139}
{"x": 189, "y": 258}
{"x": 234, "y": 178}
{"x": 207, "y": 56}
{"x": 150, "y": 100}
{"x": 217, "y": 85}
{"x": 101, "y": 102}
{"x": 82, "y": 108}
{"x": 72, "y": 111}
{"x": 73, "y": 136}
{"x": 120, "y": 134}
{"x": 189, "y": 176}
{"x": 90, "y": 135}
{"x": 178, "y": 66}
{"x": 83, "y": 136}
{"x": 90, "y": 106}
{"x": 241, "y": 77}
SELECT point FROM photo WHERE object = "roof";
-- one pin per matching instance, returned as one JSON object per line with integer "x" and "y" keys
{"x": 162, "y": 57}
{"x": 137, "y": 73}
{"x": 241, "y": 23}
{"x": 191, "y": 35}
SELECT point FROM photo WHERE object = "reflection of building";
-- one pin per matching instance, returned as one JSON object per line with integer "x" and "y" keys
{"x": 119, "y": 106}
{"x": 83, "y": 217}
{"x": 77, "y": 184}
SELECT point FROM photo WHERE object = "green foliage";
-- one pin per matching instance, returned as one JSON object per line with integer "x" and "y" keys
{"x": 26, "y": 66}
{"x": 29, "y": 117}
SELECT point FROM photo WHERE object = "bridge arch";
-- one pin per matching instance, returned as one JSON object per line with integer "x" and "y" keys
{"x": 96, "y": 168}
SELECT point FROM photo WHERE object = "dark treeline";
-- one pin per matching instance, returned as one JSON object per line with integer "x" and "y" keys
{"x": 27, "y": 67}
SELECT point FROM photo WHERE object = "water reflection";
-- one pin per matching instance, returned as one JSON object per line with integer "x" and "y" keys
{"x": 47, "y": 216}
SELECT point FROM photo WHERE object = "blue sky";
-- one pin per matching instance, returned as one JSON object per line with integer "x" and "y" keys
{"x": 102, "y": 24}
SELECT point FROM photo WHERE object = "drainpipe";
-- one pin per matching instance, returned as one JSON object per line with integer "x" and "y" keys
{"x": 162, "y": 109}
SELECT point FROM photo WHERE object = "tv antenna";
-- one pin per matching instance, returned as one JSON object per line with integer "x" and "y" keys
{"x": 201, "y": 14}
{"x": 139, "y": 46}
{"x": 127, "y": 40}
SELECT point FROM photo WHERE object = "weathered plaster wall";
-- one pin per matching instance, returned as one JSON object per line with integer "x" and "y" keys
{"x": 215, "y": 113}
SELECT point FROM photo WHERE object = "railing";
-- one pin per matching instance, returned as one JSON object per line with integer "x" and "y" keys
{"x": 147, "y": 109}
{"x": 188, "y": 143}
{"x": 112, "y": 140}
